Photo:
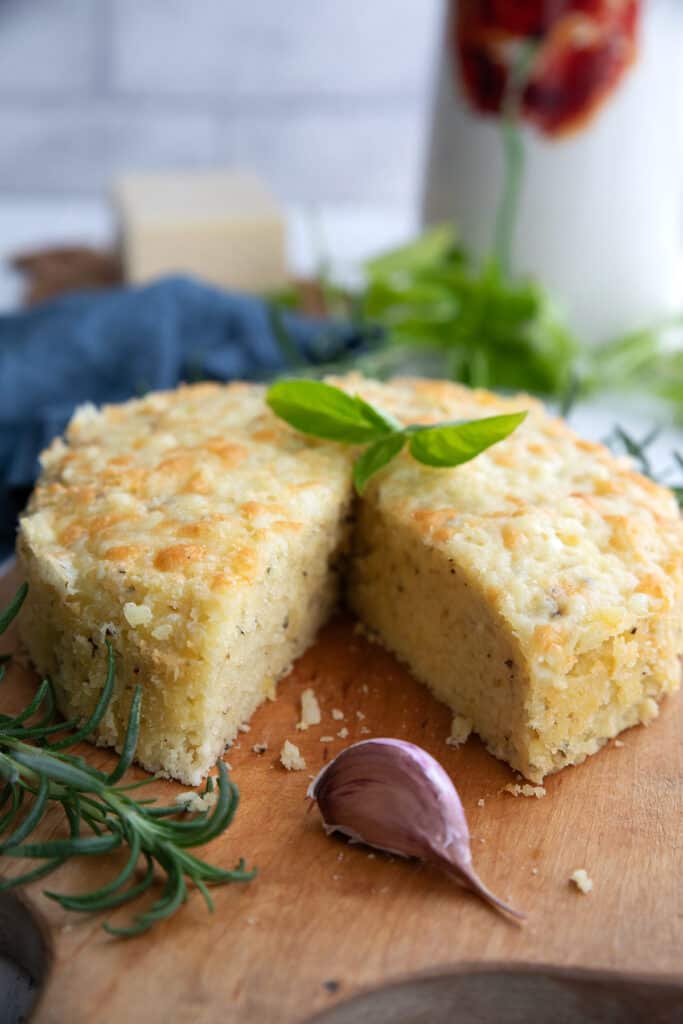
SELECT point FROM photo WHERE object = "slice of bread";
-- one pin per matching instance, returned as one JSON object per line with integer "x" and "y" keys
{"x": 537, "y": 590}
{"x": 202, "y": 536}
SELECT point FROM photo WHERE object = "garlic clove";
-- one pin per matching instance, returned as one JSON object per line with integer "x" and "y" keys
{"x": 396, "y": 797}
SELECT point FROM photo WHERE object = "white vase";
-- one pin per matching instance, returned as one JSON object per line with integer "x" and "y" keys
{"x": 599, "y": 216}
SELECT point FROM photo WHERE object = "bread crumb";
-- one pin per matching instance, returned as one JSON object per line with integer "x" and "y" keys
{"x": 340, "y": 856}
{"x": 581, "y": 880}
{"x": 290, "y": 757}
{"x": 364, "y": 731}
{"x": 360, "y": 629}
{"x": 260, "y": 748}
{"x": 648, "y": 710}
{"x": 372, "y": 856}
{"x": 244, "y": 727}
{"x": 196, "y": 802}
{"x": 310, "y": 710}
{"x": 525, "y": 790}
{"x": 137, "y": 614}
{"x": 338, "y": 714}
{"x": 343, "y": 733}
{"x": 327, "y": 739}
{"x": 534, "y": 871}
{"x": 480, "y": 802}
{"x": 251, "y": 920}
{"x": 360, "y": 716}
{"x": 461, "y": 728}
{"x": 365, "y": 688}
{"x": 618, "y": 743}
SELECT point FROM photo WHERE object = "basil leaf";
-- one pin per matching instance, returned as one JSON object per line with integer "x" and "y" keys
{"x": 322, "y": 410}
{"x": 426, "y": 251}
{"x": 452, "y": 445}
{"x": 375, "y": 458}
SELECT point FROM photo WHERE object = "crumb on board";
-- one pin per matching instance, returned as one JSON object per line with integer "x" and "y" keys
{"x": 364, "y": 731}
{"x": 461, "y": 728}
{"x": 524, "y": 790}
{"x": 360, "y": 716}
{"x": 196, "y": 802}
{"x": 244, "y": 727}
{"x": 260, "y": 748}
{"x": 581, "y": 880}
{"x": 290, "y": 757}
{"x": 360, "y": 629}
{"x": 338, "y": 714}
{"x": 534, "y": 871}
{"x": 365, "y": 688}
{"x": 618, "y": 743}
{"x": 481, "y": 802}
{"x": 310, "y": 710}
{"x": 327, "y": 739}
{"x": 343, "y": 733}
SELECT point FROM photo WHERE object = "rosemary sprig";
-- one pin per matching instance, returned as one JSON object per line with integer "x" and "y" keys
{"x": 102, "y": 816}
{"x": 621, "y": 441}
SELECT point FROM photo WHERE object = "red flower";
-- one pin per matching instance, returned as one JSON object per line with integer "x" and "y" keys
{"x": 585, "y": 48}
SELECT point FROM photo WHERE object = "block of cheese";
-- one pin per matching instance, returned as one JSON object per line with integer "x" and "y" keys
{"x": 222, "y": 227}
{"x": 537, "y": 590}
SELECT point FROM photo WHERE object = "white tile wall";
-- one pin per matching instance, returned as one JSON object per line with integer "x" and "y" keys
{"x": 48, "y": 46}
{"x": 327, "y": 98}
{"x": 293, "y": 48}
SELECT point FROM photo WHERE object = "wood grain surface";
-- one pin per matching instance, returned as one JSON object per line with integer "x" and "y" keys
{"x": 324, "y": 920}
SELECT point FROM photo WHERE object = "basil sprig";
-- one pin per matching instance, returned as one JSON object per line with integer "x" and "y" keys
{"x": 325, "y": 411}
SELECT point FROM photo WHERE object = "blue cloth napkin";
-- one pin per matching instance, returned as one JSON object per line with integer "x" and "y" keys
{"x": 113, "y": 344}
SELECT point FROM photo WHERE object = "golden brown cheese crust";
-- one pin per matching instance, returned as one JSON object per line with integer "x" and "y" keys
{"x": 195, "y": 531}
{"x": 168, "y": 521}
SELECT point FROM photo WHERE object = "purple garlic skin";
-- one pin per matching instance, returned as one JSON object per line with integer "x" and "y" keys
{"x": 394, "y": 796}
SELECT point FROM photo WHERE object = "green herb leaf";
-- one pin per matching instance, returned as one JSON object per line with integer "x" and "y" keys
{"x": 433, "y": 246}
{"x": 375, "y": 458}
{"x": 322, "y": 410}
{"x": 328, "y": 412}
{"x": 453, "y": 444}
{"x": 42, "y": 775}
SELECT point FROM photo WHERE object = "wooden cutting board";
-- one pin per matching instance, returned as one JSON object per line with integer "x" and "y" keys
{"x": 324, "y": 920}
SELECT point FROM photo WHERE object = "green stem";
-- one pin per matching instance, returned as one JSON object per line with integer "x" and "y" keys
{"x": 513, "y": 158}
{"x": 508, "y": 207}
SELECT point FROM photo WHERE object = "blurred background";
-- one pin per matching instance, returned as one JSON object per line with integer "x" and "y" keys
{"x": 326, "y": 100}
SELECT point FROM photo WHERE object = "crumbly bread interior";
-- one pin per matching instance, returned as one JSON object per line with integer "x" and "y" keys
{"x": 537, "y": 589}
{"x": 209, "y": 564}
{"x": 434, "y": 615}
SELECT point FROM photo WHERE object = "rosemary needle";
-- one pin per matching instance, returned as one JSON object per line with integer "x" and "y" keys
{"x": 101, "y": 813}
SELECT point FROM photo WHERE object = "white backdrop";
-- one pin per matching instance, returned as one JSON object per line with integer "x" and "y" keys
{"x": 326, "y": 98}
